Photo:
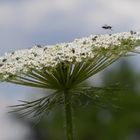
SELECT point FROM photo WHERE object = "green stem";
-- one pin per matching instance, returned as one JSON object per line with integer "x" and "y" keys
{"x": 68, "y": 115}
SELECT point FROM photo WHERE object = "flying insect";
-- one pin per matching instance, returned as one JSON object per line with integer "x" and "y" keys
{"x": 107, "y": 27}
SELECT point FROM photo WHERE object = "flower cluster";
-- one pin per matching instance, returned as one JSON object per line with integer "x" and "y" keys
{"x": 37, "y": 57}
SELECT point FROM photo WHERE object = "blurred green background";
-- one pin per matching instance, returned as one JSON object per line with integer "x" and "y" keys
{"x": 106, "y": 122}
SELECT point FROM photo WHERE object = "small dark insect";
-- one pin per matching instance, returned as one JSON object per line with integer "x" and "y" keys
{"x": 1, "y": 65}
{"x": 107, "y": 27}
{"x": 73, "y": 50}
{"x": 94, "y": 38}
{"x": 59, "y": 53}
{"x": 35, "y": 54}
{"x": 45, "y": 48}
{"x": 83, "y": 53}
{"x": 4, "y": 60}
{"x": 17, "y": 58}
{"x": 132, "y": 32}
{"x": 13, "y": 53}
{"x": 84, "y": 42}
{"x": 39, "y": 46}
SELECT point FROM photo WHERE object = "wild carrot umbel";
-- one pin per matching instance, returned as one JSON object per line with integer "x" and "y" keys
{"x": 62, "y": 68}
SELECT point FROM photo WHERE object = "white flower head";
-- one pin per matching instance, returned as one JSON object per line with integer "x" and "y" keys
{"x": 80, "y": 50}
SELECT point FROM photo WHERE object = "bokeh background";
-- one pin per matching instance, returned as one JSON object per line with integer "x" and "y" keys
{"x": 25, "y": 23}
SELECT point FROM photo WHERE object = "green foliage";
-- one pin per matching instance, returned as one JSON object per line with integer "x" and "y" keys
{"x": 97, "y": 117}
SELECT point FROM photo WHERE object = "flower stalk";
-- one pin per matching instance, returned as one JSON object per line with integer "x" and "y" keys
{"x": 68, "y": 115}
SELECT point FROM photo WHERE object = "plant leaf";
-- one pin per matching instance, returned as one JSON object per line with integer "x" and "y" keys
{"x": 39, "y": 107}
{"x": 105, "y": 97}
